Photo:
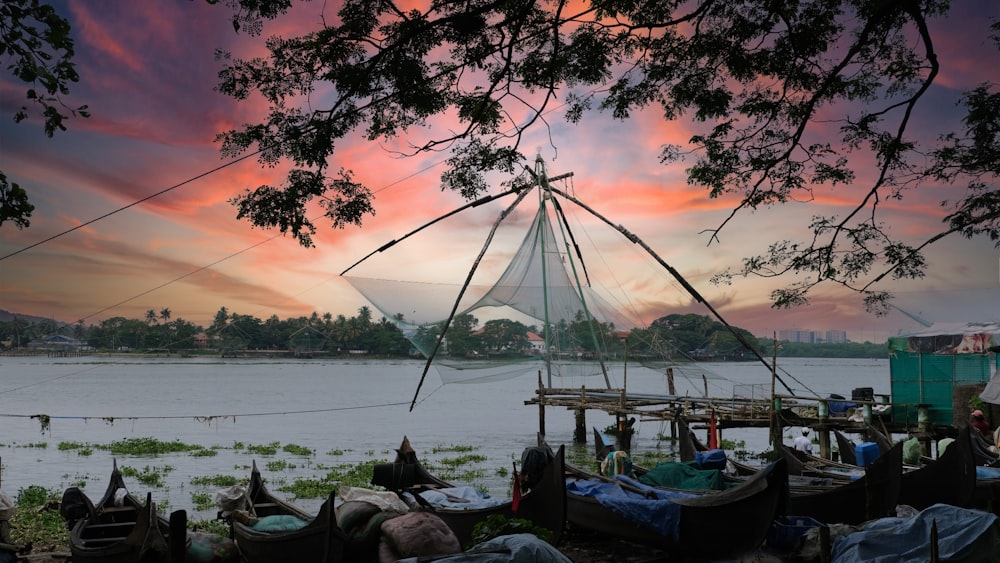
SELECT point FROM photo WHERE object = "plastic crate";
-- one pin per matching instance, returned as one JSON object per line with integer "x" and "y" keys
{"x": 865, "y": 453}
{"x": 785, "y": 533}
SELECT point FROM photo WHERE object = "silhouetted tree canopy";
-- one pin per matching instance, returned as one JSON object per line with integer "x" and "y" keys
{"x": 37, "y": 49}
{"x": 789, "y": 95}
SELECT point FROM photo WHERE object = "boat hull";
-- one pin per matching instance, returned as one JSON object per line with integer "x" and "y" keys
{"x": 544, "y": 504}
{"x": 321, "y": 540}
{"x": 711, "y": 525}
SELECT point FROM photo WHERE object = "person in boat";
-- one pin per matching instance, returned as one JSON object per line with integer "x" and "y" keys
{"x": 803, "y": 443}
{"x": 980, "y": 423}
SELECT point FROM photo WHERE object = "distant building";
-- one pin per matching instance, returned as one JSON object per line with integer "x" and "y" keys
{"x": 58, "y": 343}
{"x": 807, "y": 336}
{"x": 813, "y": 337}
{"x": 836, "y": 336}
{"x": 536, "y": 342}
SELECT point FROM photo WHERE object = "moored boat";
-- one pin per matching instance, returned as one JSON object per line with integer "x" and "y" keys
{"x": 544, "y": 503}
{"x": 949, "y": 479}
{"x": 118, "y": 529}
{"x": 712, "y": 524}
{"x": 318, "y": 538}
{"x": 873, "y": 495}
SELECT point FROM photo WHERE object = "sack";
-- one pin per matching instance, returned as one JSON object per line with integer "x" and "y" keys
{"x": 533, "y": 463}
{"x": 233, "y": 498}
{"x": 617, "y": 463}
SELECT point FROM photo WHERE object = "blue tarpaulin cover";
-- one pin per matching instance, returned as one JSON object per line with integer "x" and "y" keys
{"x": 658, "y": 514}
{"x": 963, "y": 535}
{"x": 987, "y": 472}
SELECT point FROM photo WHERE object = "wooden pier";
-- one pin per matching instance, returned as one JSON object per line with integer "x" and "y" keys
{"x": 774, "y": 412}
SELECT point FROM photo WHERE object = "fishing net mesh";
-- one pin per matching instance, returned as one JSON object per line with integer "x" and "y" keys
{"x": 498, "y": 330}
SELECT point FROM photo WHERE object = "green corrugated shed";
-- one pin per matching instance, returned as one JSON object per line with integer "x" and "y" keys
{"x": 925, "y": 366}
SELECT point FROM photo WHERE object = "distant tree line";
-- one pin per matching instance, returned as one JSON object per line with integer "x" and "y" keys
{"x": 826, "y": 350}
{"x": 676, "y": 336}
{"x": 158, "y": 331}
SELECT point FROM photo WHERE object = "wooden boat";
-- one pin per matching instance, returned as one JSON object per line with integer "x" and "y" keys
{"x": 802, "y": 463}
{"x": 120, "y": 528}
{"x": 873, "y": 434}
{"x": 544, "y": 504}
{"x": 708, "y": 524}
{"x": 950, "y": 479}
{"x": 874, "y": 495}
{"x": 847, "y": 448}
{"x": 320, "y": 540}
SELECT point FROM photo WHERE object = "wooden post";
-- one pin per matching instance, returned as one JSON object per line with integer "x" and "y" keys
{"x": 670, "y": 382}
{"x": 824, "y": 443}
{"x": 177, "y": 543}
{"x": 580, "y": 414}
{"x": 580, "y": 433}
{"x": 824, "y": 432}
{"x": 935, "y": 557}
{"x": 825, "y": 545}
{"x": 775, "y": 420}
{"x": 4, "y": 523}
{"x": 541, "y": 405}
{"x": 624, "y": 430}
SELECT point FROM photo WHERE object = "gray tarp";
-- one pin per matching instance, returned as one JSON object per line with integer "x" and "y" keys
{"x": 515, "y": 548}
{"x": 967, "y": 536}
{"x": 991, "y": 394}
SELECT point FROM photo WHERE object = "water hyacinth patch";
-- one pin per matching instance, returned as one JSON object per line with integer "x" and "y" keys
{"x": 149, "y": 476}
{"x": 297, "y": 450}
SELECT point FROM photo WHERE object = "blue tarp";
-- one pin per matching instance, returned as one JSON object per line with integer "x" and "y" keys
{"x": 963, "y": 535}
{"x": 987, "y": 472}
{"x": 657, "y": 514}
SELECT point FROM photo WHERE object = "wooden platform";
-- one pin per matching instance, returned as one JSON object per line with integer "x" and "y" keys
{"x": 775, "y": 413}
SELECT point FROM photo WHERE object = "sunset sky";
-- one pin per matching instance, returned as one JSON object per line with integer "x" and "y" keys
{"x": 148, "y": 71}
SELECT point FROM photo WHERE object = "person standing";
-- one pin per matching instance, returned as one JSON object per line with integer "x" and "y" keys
{"x": 803, "y": 443}
{"x": 980, "y": 423}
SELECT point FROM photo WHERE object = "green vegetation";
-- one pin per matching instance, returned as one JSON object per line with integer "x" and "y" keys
{"x": 150, "y": 446}
{"x": 202, "y": 501}
{"x": 278, "y": 465}
{"x": 677, "y": 337}
{"x": 217, "y": 481}
{"x": 462, "y": 460}
{"x": 499, "y": 525}
{"x": 149, "y": 476}
{"x": 349, "y": 475}
{"x": 37, "y": 520}
{"x": 454, "y": 448}
{"x": 263, "y": 449}
{"x": 297, "y": 450}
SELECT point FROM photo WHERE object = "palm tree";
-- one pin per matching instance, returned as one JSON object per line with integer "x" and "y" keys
{"x": 165, "y": 314}
{"x": 150, "y": 317}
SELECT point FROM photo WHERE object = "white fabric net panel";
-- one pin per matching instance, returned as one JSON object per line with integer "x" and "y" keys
{"x": 542, "y": 285}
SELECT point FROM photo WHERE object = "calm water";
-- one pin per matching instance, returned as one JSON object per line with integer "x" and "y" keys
{"x": 345, "y": 411}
